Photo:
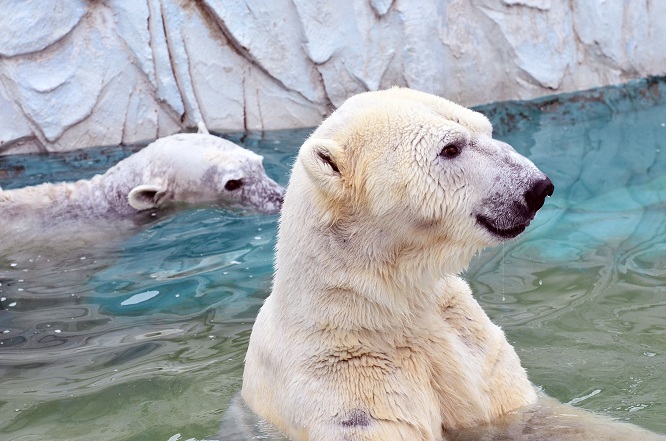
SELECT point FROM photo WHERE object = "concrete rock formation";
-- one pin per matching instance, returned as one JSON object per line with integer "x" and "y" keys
{"x": 76, "y": 73}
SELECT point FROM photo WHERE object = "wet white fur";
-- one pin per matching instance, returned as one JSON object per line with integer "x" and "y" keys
{"x": 369, "y": 333}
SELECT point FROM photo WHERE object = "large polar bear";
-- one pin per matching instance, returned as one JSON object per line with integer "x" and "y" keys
{"x": 368, "y": 333}
{"x": 183, "y": 168}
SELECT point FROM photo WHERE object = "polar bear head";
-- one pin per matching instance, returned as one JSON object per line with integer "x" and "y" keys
{"x": 401, "y": 175}
{"x": 197, "y": 168}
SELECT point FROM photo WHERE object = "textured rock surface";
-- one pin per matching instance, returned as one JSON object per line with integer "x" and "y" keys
{"x": 76, "y": 73}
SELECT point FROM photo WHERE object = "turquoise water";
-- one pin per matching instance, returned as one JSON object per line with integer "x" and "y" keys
{"x": 140, "y": 333}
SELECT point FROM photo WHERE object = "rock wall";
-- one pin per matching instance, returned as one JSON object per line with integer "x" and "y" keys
{"x": 76, "y": 73}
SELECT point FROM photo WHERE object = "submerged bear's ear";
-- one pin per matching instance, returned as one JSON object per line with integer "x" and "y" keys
{"x": 322, "y": 160}
{"x": 146, "y": 196}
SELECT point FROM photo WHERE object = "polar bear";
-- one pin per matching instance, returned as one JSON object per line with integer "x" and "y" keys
{"x": 182, "y": 168}
{"x": 369, "y": 334}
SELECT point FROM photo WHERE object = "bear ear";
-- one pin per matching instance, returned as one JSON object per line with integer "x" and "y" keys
{"x": 202, "y": 129}
{"x": 322, "y": 160}
{"x": 146, "y": 196}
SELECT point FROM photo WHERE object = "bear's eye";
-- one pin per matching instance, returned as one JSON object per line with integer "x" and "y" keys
{"x": 450, "y": 151}
{"x": 233, "y": 184}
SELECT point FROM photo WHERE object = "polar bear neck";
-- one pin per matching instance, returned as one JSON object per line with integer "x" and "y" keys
{"x": 402, "y": 280}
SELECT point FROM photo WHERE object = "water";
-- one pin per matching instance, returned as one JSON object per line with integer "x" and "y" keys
{"x": 140, "y": 332}
{"x": 585, "y": 289}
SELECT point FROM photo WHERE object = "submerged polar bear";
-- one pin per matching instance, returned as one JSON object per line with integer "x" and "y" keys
{"x": 368, "y": 333}
{"x": 187, "y": 168}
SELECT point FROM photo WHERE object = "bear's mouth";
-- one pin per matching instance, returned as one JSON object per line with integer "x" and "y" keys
{"x": 502, "y": 233}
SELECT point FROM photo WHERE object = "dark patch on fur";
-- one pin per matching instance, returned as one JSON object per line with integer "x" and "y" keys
{"x": 356, "y": 418}
{"x": 209, "y": 177}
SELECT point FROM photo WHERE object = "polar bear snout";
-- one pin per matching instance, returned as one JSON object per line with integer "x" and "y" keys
{"x": 273, "y": 202}
{"x": 505, "y": 217}
{"x": 536, "y": 195}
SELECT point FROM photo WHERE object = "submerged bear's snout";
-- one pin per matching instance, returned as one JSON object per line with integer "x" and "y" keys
{"x": 278, "y": 200}
{"x": 273, "y": 202}
{"x": 536, "y": 195}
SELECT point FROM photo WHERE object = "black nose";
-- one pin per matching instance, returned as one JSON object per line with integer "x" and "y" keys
{"x": 536, "y": 195}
